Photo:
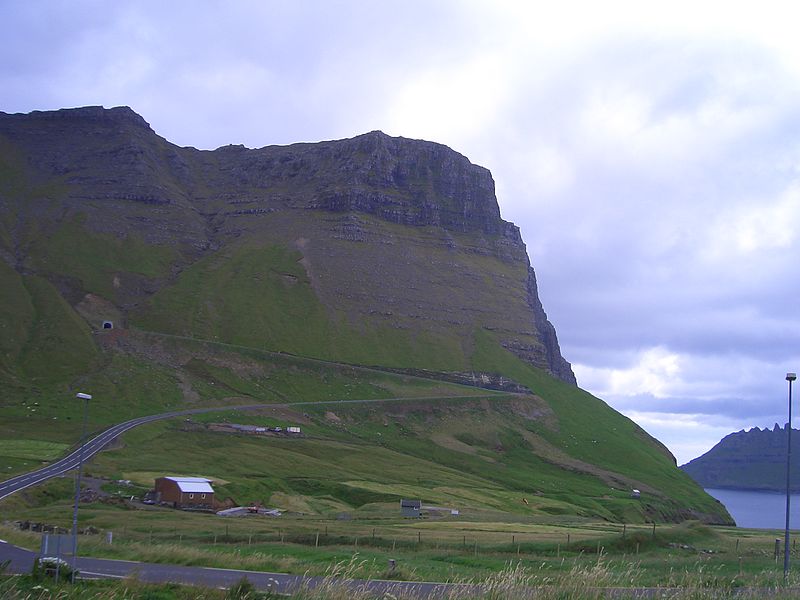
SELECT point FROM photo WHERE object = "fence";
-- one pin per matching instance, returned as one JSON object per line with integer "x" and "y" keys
{"x": 625, "y": 540}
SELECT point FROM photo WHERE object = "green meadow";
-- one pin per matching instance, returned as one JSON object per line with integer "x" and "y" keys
{"x": 541, "y": 481}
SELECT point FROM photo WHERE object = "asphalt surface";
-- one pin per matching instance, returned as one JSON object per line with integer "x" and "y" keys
{"x": 95, "y": 445}
{"x": 21, "y": 561}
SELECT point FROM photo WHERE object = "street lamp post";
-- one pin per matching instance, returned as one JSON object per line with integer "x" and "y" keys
{"x": 790, "y": 377}
{"x": 85, "y": 398}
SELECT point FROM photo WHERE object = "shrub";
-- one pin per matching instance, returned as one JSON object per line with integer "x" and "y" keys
{"x": 241, "y": 590}
{"x": 51, "y": 566}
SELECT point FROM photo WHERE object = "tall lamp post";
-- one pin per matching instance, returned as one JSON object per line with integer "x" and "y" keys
{"x": 85, "y": 398}
{"x": 790, "y": 377}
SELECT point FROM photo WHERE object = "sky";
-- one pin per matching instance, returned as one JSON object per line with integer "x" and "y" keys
{"x": 649, "y": 152}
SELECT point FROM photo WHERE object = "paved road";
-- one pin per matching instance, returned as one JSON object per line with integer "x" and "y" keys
{"x": 21, "y": 561}
{"x": 93, "y": 446}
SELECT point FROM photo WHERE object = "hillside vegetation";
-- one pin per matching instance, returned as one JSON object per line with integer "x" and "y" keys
{"x": 298, "y": 275}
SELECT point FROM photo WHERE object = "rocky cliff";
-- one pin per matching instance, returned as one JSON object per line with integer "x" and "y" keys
{"x": 391, "y": 233}
{"x": 748, "y": 460}
{"x": 158, "y": 277}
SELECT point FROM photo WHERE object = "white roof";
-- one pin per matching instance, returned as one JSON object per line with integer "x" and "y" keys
{"x": 193, "y": 484}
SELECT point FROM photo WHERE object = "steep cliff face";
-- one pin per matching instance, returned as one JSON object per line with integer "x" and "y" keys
{"x": 389, "y": 234}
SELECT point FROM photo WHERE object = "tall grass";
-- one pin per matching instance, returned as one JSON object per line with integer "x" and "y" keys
{"x": 596, "y": 581}
{"x": 342, "y": 581}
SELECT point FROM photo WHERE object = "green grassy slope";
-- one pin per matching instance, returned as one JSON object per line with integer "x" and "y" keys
{"x": 484, "y": 453}
{"x": 470, "y": 454}
{"x": 43, "y": 339}
{"x": 591, "y": 432}
{"x": 258, "y": 297}
{"x": 262, "y": 296}
{"x": 565, "y": 452}
{"x": 98, "y": 263}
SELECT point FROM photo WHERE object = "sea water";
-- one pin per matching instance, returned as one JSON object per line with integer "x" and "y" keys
{"x": 759, "y": 510}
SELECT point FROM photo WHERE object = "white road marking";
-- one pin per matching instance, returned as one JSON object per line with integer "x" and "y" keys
{"x": 105, "y": 575}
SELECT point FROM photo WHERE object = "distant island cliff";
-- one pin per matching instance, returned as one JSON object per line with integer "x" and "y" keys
{"x": 748, "y": 460}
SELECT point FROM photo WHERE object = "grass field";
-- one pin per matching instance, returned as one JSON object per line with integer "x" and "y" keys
{"x": 183, "y": 343}
{"x": 691, "y": 556}
{"x": 36, "y": 450}
{"x": 471, "y": 453}
{"x": 405, "y": 437}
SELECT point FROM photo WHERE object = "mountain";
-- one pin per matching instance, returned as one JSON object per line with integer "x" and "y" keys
{"x": 749, "y": 460}
{"x": 375, "y": 267}
{"x": 392, "y": 236}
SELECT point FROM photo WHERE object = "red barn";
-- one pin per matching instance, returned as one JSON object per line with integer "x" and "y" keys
{"x": 185, "y": 492}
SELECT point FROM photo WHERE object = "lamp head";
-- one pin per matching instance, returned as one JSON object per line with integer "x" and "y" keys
{"x": 83, "y": 396}
{"x": 791, "y": 376}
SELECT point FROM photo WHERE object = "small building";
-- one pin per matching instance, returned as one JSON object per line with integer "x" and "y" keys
{"x": 185, "y": 492}
{"x": 636, "y": 494}
{"x": 410, "y": 508}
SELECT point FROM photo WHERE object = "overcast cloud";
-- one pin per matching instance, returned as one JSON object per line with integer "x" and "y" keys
{"x": 651, "y": 158}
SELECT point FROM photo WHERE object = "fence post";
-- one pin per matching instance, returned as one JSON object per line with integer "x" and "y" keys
{"x": 316, "y": 542}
